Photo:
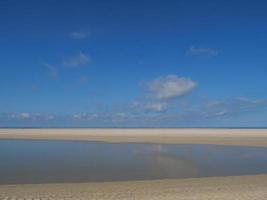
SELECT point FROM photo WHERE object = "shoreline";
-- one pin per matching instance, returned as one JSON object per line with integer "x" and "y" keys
{"x": 235, "y": 137}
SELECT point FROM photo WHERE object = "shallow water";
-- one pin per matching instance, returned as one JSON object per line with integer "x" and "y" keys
{"x": 28, "y": 161}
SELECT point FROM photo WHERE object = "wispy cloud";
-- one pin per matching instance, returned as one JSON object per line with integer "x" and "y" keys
{"x": 35, "y": 88}
{"x": 26, "y": 116}
{"x": 239, "y": 105}
{"x": 85, "y": 116}
{"x": 77, "y": 61}
{"x": 83, "y": 80}
{"x": 52, "y": 71}
{"x": 213, "y": 114}
{"x": 156, "y": 106}
{"x": 202, "y": 52}
{"x": 79, "y": 35}
{"x": 128, "y": 115}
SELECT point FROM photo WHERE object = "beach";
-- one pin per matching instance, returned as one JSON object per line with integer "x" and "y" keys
{"x": 246, "y": 187}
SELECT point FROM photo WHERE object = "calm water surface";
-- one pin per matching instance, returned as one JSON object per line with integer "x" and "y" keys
{"x": 26, "y": 161}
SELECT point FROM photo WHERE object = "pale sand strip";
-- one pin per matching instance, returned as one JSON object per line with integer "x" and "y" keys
{"x": 244, "y": 137}
{"x": 218, "y": 188}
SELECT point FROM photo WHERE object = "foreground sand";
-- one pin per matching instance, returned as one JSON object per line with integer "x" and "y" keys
{"x": 245, "y": 137}
{"x": 218, "y": 188}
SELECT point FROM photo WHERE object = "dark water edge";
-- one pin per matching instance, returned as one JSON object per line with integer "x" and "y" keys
{"x": 46, "y": 161}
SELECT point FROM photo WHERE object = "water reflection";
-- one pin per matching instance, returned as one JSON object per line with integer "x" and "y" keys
{"x": 58, "y": 161}
{"x": 171, "y": 166}
{"x": 162, "y": 162}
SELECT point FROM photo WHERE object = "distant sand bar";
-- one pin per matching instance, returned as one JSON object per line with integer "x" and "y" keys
{"x": 243, "y": 137}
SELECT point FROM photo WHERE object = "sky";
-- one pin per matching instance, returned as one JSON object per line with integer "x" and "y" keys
{"x": 138, "y": 63}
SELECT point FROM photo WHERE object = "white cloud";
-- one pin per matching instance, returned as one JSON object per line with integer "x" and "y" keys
{"x": 161, "y": 92}
{"x": 25, "y": 116}
{"x": 171, "y": 86}
{"x": 202, "y": 52}
{"x": 77, "y": 61}
{"x": 79, "y": 35}
{"x": 52, "y": 71}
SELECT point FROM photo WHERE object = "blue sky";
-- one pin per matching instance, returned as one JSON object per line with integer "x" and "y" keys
{"x": 133, "y": 63}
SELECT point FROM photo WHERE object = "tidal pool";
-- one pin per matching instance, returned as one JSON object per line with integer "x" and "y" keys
{"x": 36, "y": 161}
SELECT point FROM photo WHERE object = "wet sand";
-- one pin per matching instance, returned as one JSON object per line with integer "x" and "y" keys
{"x": 218, "y": 188}
{"x": 242, "y": 137}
